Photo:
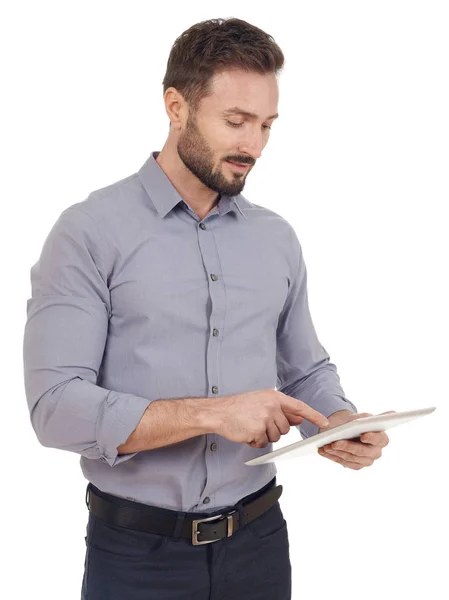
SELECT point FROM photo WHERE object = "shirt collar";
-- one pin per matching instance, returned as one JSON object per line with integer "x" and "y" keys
{"x": 165, "y": 196}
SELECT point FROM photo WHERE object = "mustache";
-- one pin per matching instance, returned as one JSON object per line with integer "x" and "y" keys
{"x": 243, "y": 161}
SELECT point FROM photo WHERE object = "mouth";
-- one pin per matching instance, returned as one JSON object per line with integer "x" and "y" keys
{"x": 241, "y": 168}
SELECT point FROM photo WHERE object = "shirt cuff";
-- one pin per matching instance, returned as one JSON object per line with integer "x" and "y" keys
{"x": 120, "y": 416}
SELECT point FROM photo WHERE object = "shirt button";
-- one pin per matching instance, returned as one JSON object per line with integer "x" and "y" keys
{"x": 215, "y": 389}
{"x": 213, "y": 446}
{"x": 203, "y": 226}
{"x": 206, "y": 500}
{"x": 215, "y": 332}
{"x": 213, "y": 277}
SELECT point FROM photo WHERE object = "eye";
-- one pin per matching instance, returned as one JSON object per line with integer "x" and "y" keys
{"x": 231, "y": 124}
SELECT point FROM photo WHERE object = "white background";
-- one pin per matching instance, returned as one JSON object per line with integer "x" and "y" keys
{"x": 357, "y": 163}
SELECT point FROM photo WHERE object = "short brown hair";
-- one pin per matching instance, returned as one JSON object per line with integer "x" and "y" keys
{"x": 216, "y": 45}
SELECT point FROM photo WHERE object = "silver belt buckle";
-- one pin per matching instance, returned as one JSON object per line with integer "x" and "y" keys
{"x": 196, "y": 531}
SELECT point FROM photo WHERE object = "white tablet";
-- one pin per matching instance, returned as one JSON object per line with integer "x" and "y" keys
{"x": 346, "y": 431}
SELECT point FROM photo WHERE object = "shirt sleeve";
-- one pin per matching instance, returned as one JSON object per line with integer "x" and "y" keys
{"x": 63, "y": 345}
{"x": 304, "y": 370}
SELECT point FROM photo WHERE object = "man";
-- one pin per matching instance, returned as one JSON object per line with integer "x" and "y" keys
{"x": 165, "y": 310}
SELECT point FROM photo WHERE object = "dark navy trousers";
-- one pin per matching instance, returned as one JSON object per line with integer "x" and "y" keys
{"x": 124, "y": 564}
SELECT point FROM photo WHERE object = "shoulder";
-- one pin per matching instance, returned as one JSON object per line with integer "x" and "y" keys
{"x": 109, "y": 212}
{"x": 269, "y": 220}
{"x": 109, "y": 201}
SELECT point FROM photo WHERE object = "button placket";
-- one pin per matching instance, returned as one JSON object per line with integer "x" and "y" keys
{"x": 212, "y": 265}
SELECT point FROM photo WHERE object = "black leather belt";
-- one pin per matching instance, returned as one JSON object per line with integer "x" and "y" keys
{"x": 199, "y": 531}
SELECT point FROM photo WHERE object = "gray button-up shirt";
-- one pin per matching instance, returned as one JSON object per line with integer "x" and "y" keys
{"x": 135, "y": 298}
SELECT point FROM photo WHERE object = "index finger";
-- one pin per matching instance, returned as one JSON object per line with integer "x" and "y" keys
{"x": 297, "y": 407}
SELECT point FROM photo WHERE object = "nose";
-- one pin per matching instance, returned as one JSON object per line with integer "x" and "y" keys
{"x": 252, "y": 145}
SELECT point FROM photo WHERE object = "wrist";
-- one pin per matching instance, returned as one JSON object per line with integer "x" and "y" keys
{"x": 210, "y": 414}
{"x": 204, "y": 414}
{"x": 337, "y": 418}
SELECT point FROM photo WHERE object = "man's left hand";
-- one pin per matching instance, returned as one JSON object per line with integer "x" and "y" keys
{"x": 358, "y": 452}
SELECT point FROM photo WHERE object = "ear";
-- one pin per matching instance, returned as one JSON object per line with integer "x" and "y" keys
{"x": 175, "y": 107}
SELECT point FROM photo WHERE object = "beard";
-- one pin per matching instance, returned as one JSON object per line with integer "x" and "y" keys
{"x": 197, "y": 156}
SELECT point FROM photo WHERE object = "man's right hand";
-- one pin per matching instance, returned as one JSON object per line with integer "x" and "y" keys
{"x": 262, "y": 416}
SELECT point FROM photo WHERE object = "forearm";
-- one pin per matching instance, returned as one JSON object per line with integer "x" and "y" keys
{"x": 170, "y": 421}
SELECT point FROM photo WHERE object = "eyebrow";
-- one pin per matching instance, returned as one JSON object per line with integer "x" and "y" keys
{"x": 235, "y": 110}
